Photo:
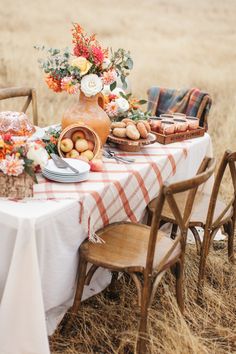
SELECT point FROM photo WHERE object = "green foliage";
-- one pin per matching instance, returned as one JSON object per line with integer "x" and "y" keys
{"x": 56, "y": 62}
{"x": 51, "y": 138}
{"x": 123, "y": 63}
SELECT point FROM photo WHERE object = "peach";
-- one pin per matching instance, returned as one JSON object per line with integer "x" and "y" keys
{"x": 73, "y": 154}
{"x": 66, "y": 145}
{"x": 81, "y": 145}
{"x": 90, "y": 145}
{"x": 77, "y": 135}
{"x": 96, "y": 165}
{"x": 88, "y": 153}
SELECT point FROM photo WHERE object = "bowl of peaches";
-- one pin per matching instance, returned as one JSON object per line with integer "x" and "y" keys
{"x": 79, "y": 142}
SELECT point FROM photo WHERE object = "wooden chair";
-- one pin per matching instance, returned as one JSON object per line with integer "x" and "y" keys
{"x": 30, "y": 93}
{"x": 140, "y": 250}
{"x": 210, "y": 213}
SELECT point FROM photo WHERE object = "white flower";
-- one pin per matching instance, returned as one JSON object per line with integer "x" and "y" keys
{"x": 106, "y": 90}
{"x": 38, "y": 154}
{"x": 106, "y": 63}
{"x": 122, "y": 103}
{"x": 91, "y": 84}
{"x": 117, "y": 91}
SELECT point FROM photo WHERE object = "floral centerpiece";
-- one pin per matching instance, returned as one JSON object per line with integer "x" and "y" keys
{"x": 119, "y": 105}
{"x": 18, "y": 156}
{"x": 86, "y": 69}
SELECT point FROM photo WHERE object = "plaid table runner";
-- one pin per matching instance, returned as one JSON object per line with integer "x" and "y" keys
{"x": 121, "y": 191}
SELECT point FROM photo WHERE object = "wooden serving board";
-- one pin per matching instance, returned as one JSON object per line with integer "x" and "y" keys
{"x": 126, "y": 144}
{"x": 174, "y": 138}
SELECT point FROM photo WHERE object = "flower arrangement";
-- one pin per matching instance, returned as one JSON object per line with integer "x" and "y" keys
{"x": 17, "y": 156}
{"x": 88, "y": 68}
{"x": 119, "y": 105}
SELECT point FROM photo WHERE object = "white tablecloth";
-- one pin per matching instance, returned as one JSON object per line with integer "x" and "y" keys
{"x": 39, "y": 240}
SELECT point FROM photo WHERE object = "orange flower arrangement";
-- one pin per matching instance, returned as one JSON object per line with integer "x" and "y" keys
{"x": 88, "y": 68}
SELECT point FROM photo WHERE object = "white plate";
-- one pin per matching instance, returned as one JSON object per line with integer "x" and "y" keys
{"x": 75, "y": 179}
{"x": 81, "y": 166}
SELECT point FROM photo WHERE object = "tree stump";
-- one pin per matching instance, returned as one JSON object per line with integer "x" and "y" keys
{"x": 16, "y": 187}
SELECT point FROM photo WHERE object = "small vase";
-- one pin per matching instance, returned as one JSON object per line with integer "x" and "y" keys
{"x": 89, "y": 110}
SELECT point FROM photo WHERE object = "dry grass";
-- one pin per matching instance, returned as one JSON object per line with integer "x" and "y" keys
{"x": 174, "y": 43}
{"x": 104, "y": 326}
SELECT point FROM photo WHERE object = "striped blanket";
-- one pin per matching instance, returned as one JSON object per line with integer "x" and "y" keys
{"x": 192, "y": 102}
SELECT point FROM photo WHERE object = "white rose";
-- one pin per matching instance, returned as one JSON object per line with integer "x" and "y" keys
{"x": 38, "y": 154}
{"x": 122, "y": 104}
{"x": 117, "y": 91}
{"x": 91, "y": 84}
{"x": 106, "y": 63}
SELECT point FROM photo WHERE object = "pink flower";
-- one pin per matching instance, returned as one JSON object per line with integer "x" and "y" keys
{"x": 111, "y": 109}
{"x": 112, "y": 96}
{"x": 12, "y": 166}
{"x": 68, "y": 85}
{"x": 98, "y": 55}
{"x": 109, "y": 77}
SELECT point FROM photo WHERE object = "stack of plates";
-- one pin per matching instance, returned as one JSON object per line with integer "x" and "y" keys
{"x": 66, "y": 175}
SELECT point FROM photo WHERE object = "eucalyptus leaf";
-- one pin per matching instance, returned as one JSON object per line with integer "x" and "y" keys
{"x": 124, "y": 83}
{"x": 113, "y": 86}
{"x": 130, "y": 63}
{"x": 142, "y": 101}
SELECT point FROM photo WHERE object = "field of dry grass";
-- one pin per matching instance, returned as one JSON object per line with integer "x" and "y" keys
{"x": 174, "y": 43}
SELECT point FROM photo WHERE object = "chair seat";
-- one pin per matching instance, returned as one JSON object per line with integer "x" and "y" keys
{"x": 200, "y": 208}
{"x": 125, "y": 247}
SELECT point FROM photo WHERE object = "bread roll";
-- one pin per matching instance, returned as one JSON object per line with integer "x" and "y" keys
{"x": 142, "y": 130}
{"x": 132, "y": 132}
{"x": 118, "y": 125}
{"x": 127, "y": 120}
{"x": 119, "y": 132}
{"x": 131, "y": 123}
{"x": 147, "y": 125}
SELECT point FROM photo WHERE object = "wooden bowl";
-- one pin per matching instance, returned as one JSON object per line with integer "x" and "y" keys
{"x": 126, "y": 144}
{"x": 89, "y": 133}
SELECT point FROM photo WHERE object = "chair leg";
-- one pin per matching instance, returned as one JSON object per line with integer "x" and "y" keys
{"x": 82, "y": 267}
{"x": 197, "y": 239}
{"x": 230, "y": 231}
{"x": 174, "y": 231}
{"x": 142, "y": 343}
{"x": 179, "y": 275}
{"x": 202, "y": 265}
{"x": 149, "y": 218}
{"x": 113, "y": 293}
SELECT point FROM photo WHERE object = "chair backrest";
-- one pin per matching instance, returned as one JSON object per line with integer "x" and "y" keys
{"x": 182, "y": 217}
{"x": 192, "y": 102}
{"x": 30, "y": 93}
{"x": 228, "y": 160}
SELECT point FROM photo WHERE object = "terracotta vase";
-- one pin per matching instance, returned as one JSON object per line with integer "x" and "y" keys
{"x": 89, "y": 110}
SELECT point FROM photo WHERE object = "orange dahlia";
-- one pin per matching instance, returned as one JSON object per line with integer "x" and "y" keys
{"x": 53, "y": 83}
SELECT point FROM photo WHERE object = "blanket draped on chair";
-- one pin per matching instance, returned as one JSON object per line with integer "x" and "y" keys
{"x": 192, "y": 102}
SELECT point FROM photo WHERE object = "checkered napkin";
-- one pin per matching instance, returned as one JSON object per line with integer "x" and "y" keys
{"x": 122, "y": 191}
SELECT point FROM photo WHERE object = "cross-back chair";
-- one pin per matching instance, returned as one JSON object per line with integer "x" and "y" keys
{"x": 30, "y": 93}
{"x": 144, "y": 252}
{"x": 210, "y": 213}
